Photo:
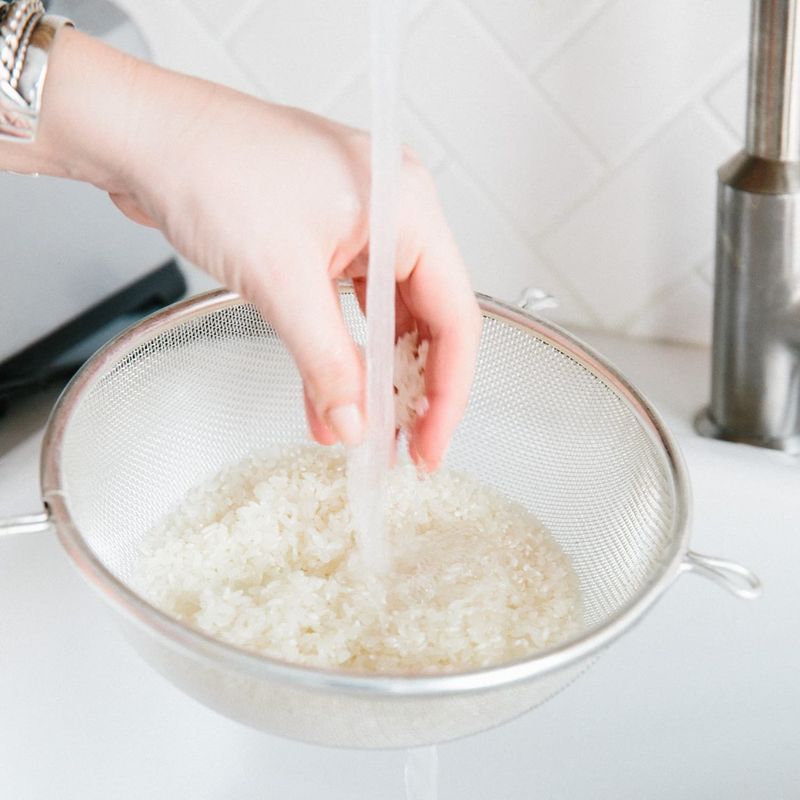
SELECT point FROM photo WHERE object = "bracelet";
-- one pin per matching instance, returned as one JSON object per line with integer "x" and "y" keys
{"x": 16, "y": 29}
{"x": 27, "y": 36}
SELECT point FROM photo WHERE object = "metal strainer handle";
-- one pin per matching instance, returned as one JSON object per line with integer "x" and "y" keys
{"x": 738, "y": 580}
{"x": 734, "y": 577}
{"x": 25, "y": 523}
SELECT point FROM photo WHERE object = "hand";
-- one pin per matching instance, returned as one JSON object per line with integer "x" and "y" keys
{"x": 273, "y": 202}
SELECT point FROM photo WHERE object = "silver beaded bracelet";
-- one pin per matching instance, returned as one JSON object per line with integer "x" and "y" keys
{"x": 26, "y": 37}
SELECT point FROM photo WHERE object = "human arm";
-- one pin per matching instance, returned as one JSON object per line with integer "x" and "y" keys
{"x": 273, "y": 202}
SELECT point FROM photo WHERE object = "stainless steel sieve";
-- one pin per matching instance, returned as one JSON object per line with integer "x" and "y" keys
{"x": 206, "y": 381}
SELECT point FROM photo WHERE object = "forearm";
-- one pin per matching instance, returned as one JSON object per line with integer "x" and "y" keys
{"x": 272, "y": 201}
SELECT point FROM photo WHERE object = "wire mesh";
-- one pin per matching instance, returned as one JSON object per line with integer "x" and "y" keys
{"x": 541, "y": 426}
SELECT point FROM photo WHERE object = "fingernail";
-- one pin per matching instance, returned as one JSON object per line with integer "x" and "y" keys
{"x": 347, "y": 424}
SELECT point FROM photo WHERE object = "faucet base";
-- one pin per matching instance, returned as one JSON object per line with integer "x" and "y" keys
{"x": 704, "y": 425}
{"x": 755, "y": 354}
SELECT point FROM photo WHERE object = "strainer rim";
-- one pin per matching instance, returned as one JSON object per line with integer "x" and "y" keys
{"x": 135, "y": 608}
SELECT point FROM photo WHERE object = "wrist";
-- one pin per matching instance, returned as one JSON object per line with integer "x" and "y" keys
{"x": 84, "y": 127}
{"x": 88, "y": 98}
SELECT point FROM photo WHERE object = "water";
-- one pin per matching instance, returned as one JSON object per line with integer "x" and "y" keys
{"x": 369, "y": 463}
{"x": 421, "y": 773}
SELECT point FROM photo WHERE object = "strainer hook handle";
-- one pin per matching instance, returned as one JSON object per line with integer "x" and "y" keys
{"x": 737, "y": 579}
{"x": 25, "y": 523}
{"x": 534, "y": 300}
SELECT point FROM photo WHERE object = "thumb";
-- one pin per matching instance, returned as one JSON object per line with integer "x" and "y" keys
{"x": 306, "y": 313}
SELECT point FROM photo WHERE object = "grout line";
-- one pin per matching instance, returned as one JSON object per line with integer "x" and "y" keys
{"x": 726, "y": 77}
{"x": 694, "y": 262}
{"x": 591, "y": 314}
{"x": 265, "y": 93}
{"x": 728, "y": 63}
{"x": 458, "y": 161}
{"x": 617, "y": 168}
{"x": 486, "y": 25}
{"x": 362, "y": 65}
{"x": 721, "y": 125}
{"x": 507, "y": 55}
{"x": 237, "y": 20}
{"x": 439, "y": 164}
{"x": 511, "y": 57}
{"x": 439, "y": 169}
{"x": 698, "y": 264}
{"x": 700, "y": 272}
{"x": 451, "y": 159}
{"x": 685, "y": 99}
{"x": 251, "y": 84}
{"x": 603, "y": 180}
{"x": 348, "y": 82}
{"x": 224, "y": 41}
{"x": 198, "y": 17}
{"x": 618, "y": 165}
{"x": 600, "y": 158}
{"x": 534, "y": 70}
{"x": 659, "y": 295}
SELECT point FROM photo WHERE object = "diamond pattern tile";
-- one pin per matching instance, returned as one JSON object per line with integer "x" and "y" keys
{"x": 625, "y": 75}
{"x": 220, "y": 17}
{"x": 493, "y": 120}
{"x": 352, "y": 107}
{"x": 501, "y": 262}
{"x": 574, "y": 142}
{"x": 689, "y": 302}
{"x": 729, "y": 100}
{"x": 301, "y": 51}
{"x": 534, "y": 31}
{"x": 647, "y": 225}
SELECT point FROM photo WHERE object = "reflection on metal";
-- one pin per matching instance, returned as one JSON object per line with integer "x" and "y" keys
{"x": 755, "y": 394}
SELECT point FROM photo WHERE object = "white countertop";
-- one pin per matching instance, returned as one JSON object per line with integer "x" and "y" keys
{"x": 701, "y": 700}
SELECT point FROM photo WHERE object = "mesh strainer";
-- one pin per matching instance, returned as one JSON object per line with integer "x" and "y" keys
{"x": 550, "y": 424}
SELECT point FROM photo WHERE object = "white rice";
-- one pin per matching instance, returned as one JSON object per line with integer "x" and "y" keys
{"x": 410, "y": 402}
{"x": 263, "y": 556}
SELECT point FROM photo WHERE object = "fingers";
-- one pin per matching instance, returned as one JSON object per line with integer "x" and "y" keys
{"x": 360, "y": 288}
{"x": 448, "y": 377}
{"x": 438, "y": 294}
{"x": 404, "y": 319}
{"x": 436, "y": 298}
{"x": 454, "y": 325}
{"x": 319, "y": 430}
{"x": 303, "y": 305}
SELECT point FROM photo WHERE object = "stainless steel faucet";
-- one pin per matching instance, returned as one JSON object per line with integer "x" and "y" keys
{"x": 755, "y": 379}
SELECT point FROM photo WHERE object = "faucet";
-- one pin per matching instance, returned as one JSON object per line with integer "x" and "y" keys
{"x": 755, "y": 369}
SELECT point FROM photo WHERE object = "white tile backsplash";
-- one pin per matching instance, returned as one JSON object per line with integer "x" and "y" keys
{"x": 499, "y": 259}
{"x": 493, "y": 120}
{"x": 706, "y": 269}
{"x": 222, "y": 18}
{"x": 352, "y": 107}
{"x": 629, "y": 71}
{"x": 575, "y": 142}
{"x": 646, "y": 225}
{"x": 687, "y": 304}
{"x": 728, "y": 98}
{"x": 301, "y": 51}
{"x": 533, "y": 30}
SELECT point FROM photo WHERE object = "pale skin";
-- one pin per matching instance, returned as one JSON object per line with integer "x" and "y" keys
{"x": 271, "y": 201}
